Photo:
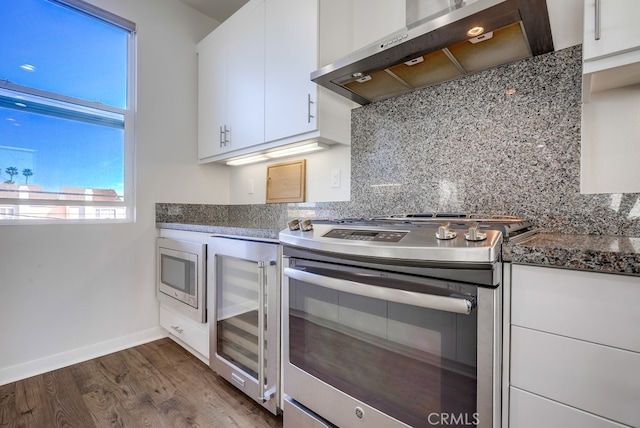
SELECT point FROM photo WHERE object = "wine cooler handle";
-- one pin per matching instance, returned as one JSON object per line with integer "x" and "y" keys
{"x": 262, "y": 280}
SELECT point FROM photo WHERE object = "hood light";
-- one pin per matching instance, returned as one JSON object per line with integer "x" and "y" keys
{"x": 475, "y": 31}
{"x": 277, "y": 153}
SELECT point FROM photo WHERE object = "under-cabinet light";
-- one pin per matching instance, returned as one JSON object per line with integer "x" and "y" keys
{"x": 277, "y": 153}
{"x": 306, "y": 148}
{"x": 248, "y": 159}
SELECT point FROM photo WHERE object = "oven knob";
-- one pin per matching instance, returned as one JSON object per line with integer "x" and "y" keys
{"x": 359, "y": 413}
{"x": 474, "y": 234}
{"x": 444, "y": 232}
{"x": 306, "y": 225}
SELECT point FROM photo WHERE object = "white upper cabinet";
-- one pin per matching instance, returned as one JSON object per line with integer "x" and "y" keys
{"x": 298, "y": 39}
{"x": 212, "y": 93}
{"x": 611, "y": 48}
{"x": 291, "y": 55}
{"x": 231, "y": 84}
{"x": 611, "y": 97}
{"x": 255, "y": 91}
{"x": 610, "y": 28}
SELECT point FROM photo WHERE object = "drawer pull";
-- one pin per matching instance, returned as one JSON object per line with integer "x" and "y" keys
{"x": 178, "y": 329}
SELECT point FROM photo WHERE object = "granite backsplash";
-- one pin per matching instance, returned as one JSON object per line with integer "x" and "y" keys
{"x": 503, "y": 141}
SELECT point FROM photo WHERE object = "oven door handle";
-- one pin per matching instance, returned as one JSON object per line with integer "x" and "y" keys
{"x": 429, "y": 301}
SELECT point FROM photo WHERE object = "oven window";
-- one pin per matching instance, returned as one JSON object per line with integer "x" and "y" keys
{"x": 412, "y": 363}
{"x": 179, "y": 274}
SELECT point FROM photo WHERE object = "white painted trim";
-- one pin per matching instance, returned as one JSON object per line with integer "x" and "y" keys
{"x": 190, "y": 349}
{"x": 64, "y": 359}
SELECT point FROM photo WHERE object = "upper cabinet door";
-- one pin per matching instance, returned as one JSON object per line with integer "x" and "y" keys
{"x": 231, "y": 84}
{"x": 245, "y": 76}
{"x": 291, "y": 55}
{"x": 212, "y": 93}
{"x": 610, "y": 28}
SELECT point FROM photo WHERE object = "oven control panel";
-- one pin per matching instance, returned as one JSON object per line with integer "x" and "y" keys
{"x": 366, "y": 235}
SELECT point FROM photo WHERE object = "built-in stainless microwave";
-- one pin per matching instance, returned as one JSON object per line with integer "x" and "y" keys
{"x": 181, "y": 275}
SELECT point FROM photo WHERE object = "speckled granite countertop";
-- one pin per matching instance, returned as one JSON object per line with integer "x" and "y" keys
{"x": 235, "y": 229}
{"x": 599, "y": 253}
{"x": 585, "y": 251}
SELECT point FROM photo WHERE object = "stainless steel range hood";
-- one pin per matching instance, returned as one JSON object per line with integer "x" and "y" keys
{"x": 434, "y": 47}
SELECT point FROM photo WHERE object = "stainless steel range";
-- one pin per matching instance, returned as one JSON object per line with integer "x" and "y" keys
{"x": 394, "y": 321}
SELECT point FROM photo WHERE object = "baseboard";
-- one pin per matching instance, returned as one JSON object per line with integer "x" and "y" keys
{"x": 64, "y": 359}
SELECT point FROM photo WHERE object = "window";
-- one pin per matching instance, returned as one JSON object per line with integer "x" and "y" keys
{"x": 66, "y": 112}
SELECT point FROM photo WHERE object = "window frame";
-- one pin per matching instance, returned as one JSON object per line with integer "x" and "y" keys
{"x": 129, "y": 129}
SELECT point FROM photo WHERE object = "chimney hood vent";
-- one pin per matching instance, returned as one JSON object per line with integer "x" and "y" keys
{"x": 435, "y": 47}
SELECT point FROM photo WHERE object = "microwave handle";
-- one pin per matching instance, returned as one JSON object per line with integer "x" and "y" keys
{"x": 429, "y": 301}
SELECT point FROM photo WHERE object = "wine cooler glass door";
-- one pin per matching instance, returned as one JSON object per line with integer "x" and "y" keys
{"x": 245, "y": 314}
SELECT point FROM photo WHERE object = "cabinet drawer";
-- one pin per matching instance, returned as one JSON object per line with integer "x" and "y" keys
{"x": 532, "y": 411}
{"x": 596, "y": 307}
{"x": 194, "y": 335}
{"x": 594, "y": 378}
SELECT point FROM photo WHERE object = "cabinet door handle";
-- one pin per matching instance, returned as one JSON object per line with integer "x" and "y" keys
{"x": 597, "y": 14}
{"x": 178, "y": 329}
{"x": 221, "y": 138}
{"x": 309, "y": 102}
{"x": 226, "y": 139}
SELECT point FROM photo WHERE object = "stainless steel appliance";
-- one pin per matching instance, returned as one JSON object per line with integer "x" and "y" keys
{"x": 442, "y": 40}
{"x": 395, "y": 321}
{"x": 245, "y": 326}
{"x": 181, "y": 275}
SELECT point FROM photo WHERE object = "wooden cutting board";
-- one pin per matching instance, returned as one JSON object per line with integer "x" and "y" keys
{"x": 286, "y": 182}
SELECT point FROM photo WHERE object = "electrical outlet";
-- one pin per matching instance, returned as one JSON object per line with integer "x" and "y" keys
{"x": 335, "y": 178}
{"x": 250, "y": 186}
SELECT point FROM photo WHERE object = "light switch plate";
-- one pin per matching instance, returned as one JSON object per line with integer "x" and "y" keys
{"x": 335, "y": 178}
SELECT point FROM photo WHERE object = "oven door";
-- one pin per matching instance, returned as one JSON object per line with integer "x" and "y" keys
{"x": 373, "y": 348}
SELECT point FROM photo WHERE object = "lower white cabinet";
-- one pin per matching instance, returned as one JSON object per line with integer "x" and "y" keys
{"x": 533, "y": 411}
{"x": 574, "y": 349}
{"x": 188, "y": 332}
{"x": 598, "y": 379}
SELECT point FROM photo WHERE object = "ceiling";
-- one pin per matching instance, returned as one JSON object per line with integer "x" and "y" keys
{"x": 219, "y": 10}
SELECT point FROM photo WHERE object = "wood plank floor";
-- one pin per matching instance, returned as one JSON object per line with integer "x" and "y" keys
{"x": 158, "y": 384}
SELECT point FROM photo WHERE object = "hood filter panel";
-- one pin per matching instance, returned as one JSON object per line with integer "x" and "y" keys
{"x": 508, "y": 44}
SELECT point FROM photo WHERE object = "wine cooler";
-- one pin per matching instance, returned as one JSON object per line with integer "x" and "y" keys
{"x": 244, "y": 328}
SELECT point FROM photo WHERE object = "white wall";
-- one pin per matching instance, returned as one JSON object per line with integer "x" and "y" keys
{"x": 70, "y": 292}
{"x": 319, "y": 167}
